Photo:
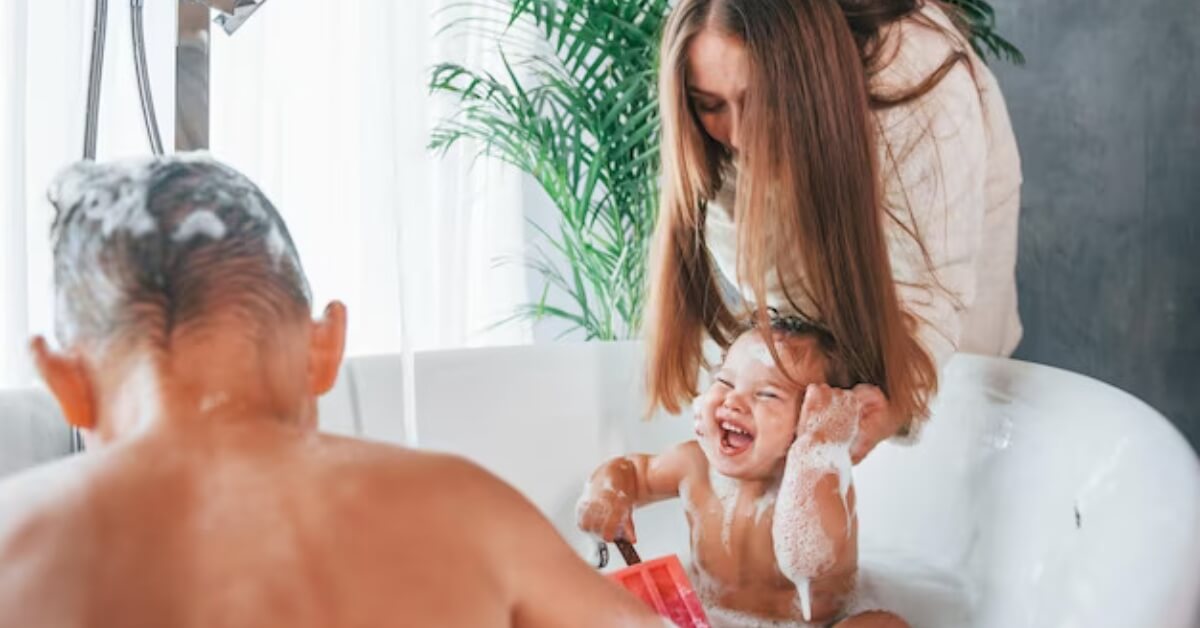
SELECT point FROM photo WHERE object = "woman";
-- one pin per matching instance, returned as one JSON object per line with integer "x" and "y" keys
{"x": 841, "y": 160}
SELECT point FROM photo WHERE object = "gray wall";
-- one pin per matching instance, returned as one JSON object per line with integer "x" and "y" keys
{"x": 1107, "y": 114}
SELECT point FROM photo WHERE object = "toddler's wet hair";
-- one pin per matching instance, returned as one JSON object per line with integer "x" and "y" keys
{"x": 795, "y": 326}
{"x": 154, "y": 247}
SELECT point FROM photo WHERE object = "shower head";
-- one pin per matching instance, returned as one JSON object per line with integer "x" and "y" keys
{"x": 234, "y": 13}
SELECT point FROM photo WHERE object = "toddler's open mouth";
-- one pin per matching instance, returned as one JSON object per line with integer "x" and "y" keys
{"x": 735, "y": 438}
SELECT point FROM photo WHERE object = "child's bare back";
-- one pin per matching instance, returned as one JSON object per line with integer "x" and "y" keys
{"x": 264, "y": 524}
{"x": 191, "y": 364}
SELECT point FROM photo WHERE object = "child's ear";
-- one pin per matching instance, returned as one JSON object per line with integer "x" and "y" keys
{"x": 328, "y": 344}
{"x": 67, "y": 377}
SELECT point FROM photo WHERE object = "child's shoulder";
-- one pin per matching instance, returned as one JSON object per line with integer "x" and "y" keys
{"x": 689, "y": 457}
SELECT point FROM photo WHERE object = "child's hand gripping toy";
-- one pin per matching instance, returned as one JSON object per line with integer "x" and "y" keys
{"x": 661, "y": 583}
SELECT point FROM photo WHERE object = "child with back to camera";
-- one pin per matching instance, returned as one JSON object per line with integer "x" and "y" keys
{"x": 190, "y": 360}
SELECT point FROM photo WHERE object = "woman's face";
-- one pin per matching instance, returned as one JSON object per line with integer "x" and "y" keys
{"x": 718, "y": 74}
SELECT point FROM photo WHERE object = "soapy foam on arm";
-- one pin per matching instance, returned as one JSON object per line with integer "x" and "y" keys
{"x": 590, "y": 498}
{"x": 802, "y": 549}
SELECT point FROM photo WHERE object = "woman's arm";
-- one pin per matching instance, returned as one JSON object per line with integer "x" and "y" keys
{"x": 934, "y": 164}
{"x": 934, "y": 161}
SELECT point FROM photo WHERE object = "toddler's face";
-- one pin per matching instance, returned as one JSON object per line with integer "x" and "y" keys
{"x": 746, "y": 420}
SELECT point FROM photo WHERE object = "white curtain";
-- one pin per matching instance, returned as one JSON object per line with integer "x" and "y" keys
{"x": 325, "y": 105}
{"x": 44, "y": 50}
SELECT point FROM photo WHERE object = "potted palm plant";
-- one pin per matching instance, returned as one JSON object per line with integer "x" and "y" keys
{"x": 581, "y": 118}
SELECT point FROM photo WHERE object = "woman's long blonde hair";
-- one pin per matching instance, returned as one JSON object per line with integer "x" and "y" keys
{"x": 809, "y": 207}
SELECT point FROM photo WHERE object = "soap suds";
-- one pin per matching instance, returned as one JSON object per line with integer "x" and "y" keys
{"x": 213, "y": 401}
{"x": 728, "y": 491}
{"x": 139, "y": 397}
{"x": 902, "y": 586}
{"x": 112, "y": 194}
{"x": 709, "y": 590}
{"x": 725, "y": 618}
{"x": 685, "y": 493}
{"x": 762, "y": 353}
{"x": 592, "y": 499}
{"x": 804, "y": 593}
{"x": 802, "y": 548}
{"x": 202, "y": 222}
{"x": 85, "y": 308}
{"x": 276, "y": 246}
{"x": 765, "y": 503}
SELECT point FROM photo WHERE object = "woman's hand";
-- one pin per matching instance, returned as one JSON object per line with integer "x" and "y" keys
{"x": 875, "y": 423}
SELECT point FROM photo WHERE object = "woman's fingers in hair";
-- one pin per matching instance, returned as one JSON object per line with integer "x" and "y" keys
{"x": 817, "y": 399}
{"x": 871, "y": 397}
{"x": 875, "y": 421}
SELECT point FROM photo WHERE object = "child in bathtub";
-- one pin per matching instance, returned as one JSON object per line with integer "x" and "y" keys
{"x": 768, "y": 498}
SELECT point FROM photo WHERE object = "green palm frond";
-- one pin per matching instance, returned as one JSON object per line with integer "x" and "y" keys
{"x": 988, "y": 44}
{"x": 576, "y": 109}
{"x": 581, "y": 117}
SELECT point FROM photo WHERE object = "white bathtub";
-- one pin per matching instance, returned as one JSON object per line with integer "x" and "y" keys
{"x": 1035, "y": 498}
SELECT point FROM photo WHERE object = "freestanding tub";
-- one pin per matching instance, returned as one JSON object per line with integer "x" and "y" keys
{"x": 1034, "y": 498}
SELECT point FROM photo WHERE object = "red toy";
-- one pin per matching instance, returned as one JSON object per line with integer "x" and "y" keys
{"x": 663, "y": 584}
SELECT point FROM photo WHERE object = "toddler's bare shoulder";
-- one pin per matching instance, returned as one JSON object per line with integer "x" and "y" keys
{"x": 691, "y": 459}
